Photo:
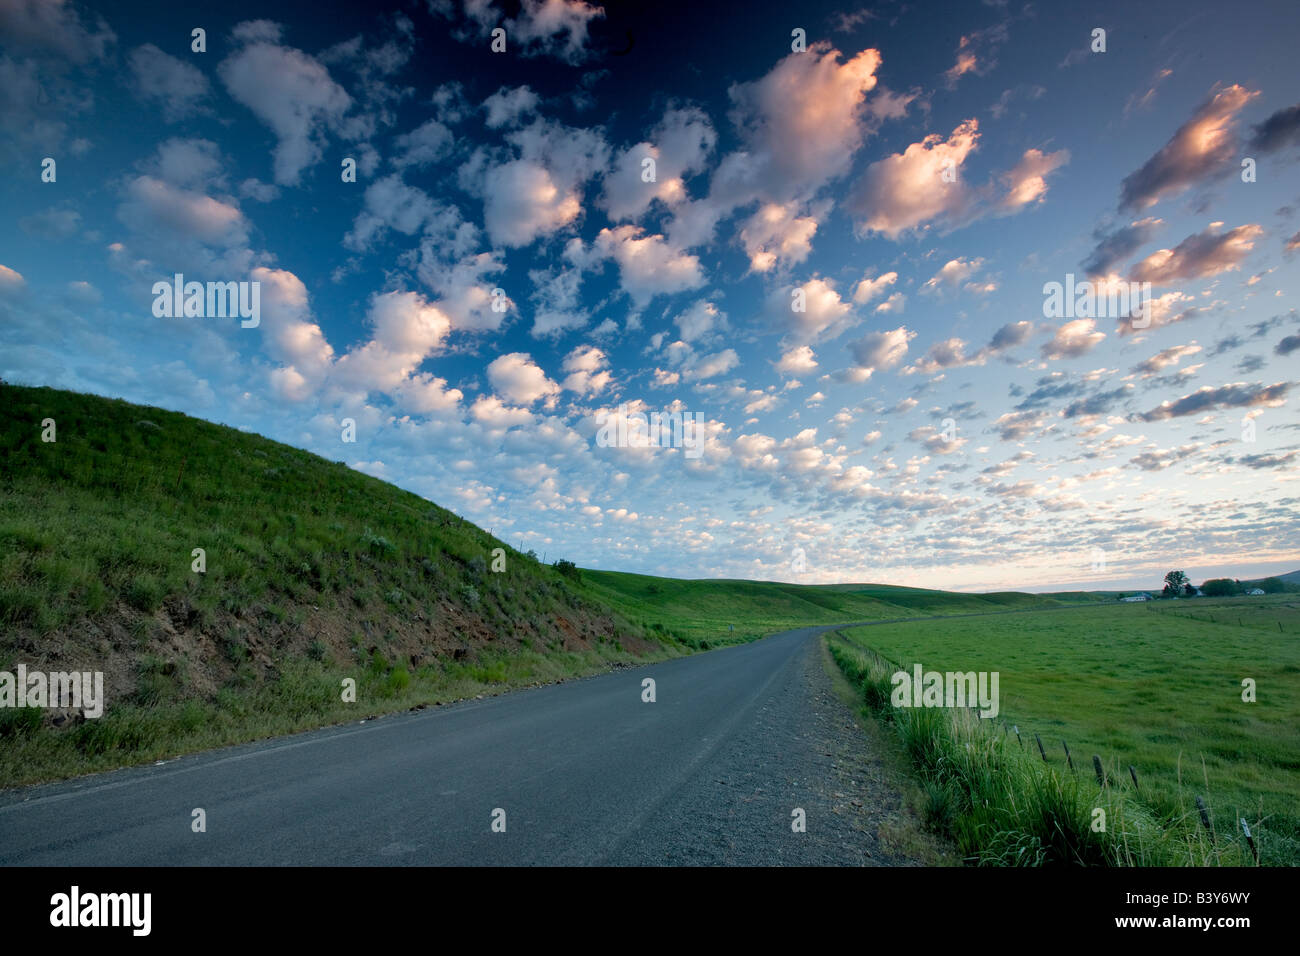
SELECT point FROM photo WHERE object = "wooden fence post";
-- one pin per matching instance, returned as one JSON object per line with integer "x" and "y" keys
{"x": 1134, "y": 774}
{"x": 1204, "y": 811}
{"x": 1250, "y": 841}
{"x": 1040, "y": 747}
{"x": 1101, "y": 774}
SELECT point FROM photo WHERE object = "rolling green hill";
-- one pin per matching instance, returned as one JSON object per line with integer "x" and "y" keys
{"x": 310, "y": 573}
{"x": 705, "y": 610}
{"x": 313, "y": 573}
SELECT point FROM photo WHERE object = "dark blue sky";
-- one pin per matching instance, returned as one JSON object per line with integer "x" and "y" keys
{"x": 915, "y": 177}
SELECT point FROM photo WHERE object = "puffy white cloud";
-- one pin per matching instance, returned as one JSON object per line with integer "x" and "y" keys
{"x": 520, "y": 380}
{"x": 1011, "y": 335}
{"x": 905, "y": 191}
{"x": 1199, "y": 256}
{"x": 189, "y": 163}
{"x": 588, "y": 370}
{"x": 700, "y": 321}
{"x": 405, "y": 323}
{"x": 777, "y": 233}
{"x": 1026, "y": 182}
{"x": 465, "y": 288}
{"x": 288, "y": 90}
{"x": 799, "y": 359}
{"x": 1162, "y": 310}
{"x": 923, "y": 185}
{"x": 824, "y": 315}
{"x": 949, "y": 353}
{"x": 406, "y": 330}
{"x": 953, "y": 273}
{"x": 557, "y": 26}
{"x": 648, "y": 265}
{"x": 869, "y": 288}
{"x": 426, "y": 394}
{"x": 258, "y": 191}
{"x": 154, "y": 206}
{"x": 523, "y": 202}
{"x": 755, "y": 452}
{"x": 287, "y": 322}
{"x": 508, "y": 105}
{"x": 893, "y": 304}
{"x": 1073, "y": 339}
{"x": 679, "y": 145}
{"x": 544, "y": 27}
{"x": 1208, "y": 398}
{"x": 539, "y": 192}
{"x": 1165, "y": 358}
{"x": 1201, "y": 147}
{"x": 802, "y": 123}
{"x": 558, "y": 303}
{"x": 492, "y": 412}
{"x": 1116, "y": 246}
{"x": 878, "y": 351}
{"x": 710, "y": 366}
{"x": 180, "y": 87}
{"x": 390, "y": 203}
{"x": 422, "y": 146}
{"x": 1017, "y": 426}
{"x": 292, "y": 334}
{"x": 935, "y": 441}
{"x": 53, "y": 28}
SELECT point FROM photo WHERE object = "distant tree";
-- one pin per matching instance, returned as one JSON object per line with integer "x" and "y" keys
{"x": 1189, "y": 590}
{"x": 1220, "y": 587}
{"x": 1175, "y": 582}
{"x": 568, "y": 569}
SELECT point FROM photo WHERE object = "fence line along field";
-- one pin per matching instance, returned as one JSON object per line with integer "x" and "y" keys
{"x": 1158, "y": 686}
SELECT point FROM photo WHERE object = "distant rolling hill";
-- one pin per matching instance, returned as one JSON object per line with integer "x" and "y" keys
{"x": 706, "y": 609}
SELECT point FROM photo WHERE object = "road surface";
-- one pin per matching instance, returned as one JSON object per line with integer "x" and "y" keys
{"x": 586, "y": 772}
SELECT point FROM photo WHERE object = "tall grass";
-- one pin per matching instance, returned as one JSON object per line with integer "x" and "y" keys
{"x": 1003, "y": 806}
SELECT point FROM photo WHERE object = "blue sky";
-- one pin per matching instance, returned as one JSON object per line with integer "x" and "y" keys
{"x": 913, "y": 176}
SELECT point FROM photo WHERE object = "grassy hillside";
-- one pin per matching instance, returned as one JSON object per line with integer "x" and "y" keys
{"x": 312, "y": 573}
{"x": 1154, "y": 686}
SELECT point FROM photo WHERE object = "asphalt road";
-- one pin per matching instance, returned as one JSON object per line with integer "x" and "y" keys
{"x": 586, "y": 772}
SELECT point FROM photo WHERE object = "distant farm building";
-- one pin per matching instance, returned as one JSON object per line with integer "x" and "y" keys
{"x": 1137, "y": 597}
{"x": 1255, "y": 591}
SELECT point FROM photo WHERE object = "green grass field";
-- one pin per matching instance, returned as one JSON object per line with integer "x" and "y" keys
{"x": 1156, "y": 686}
